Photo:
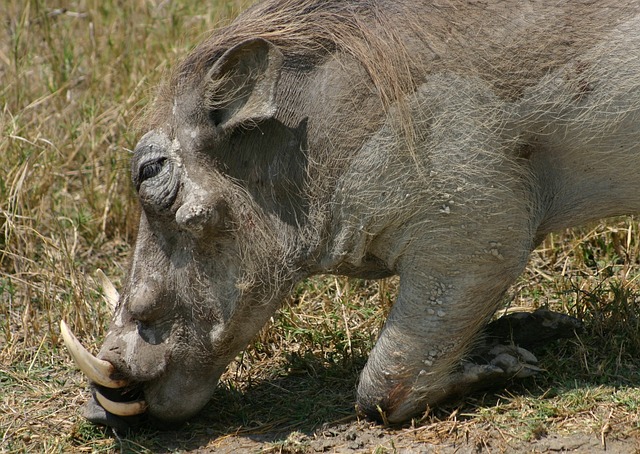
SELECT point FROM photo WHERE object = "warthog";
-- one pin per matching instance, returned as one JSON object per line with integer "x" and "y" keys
{"x": 435, "y": 140}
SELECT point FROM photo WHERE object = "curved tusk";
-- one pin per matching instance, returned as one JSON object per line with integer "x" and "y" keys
{"x": 97, "y": 370}
{"x": 111, "y": 295}
{"x": 121, "y": 408}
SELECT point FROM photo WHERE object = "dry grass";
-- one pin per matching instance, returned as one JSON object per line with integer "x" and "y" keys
{"x": 73, "y": 81}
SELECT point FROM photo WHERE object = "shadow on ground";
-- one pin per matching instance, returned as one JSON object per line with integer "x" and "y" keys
{"x": 310, "y": 404}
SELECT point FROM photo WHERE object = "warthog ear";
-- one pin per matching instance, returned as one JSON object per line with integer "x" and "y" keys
{"x": 241, "y": 85}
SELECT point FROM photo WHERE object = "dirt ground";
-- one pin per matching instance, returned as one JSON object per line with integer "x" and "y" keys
{"x": 365, "y": 437}
{"x": 313, "y": 411}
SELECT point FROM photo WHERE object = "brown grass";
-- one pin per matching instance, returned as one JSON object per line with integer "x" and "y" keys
{"x": 73, "y": 81}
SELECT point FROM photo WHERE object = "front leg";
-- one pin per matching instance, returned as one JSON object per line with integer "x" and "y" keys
{"x": 458, "y": 235}
{"x": 417, "y": 360}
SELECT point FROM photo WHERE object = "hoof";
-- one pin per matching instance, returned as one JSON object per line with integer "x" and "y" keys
{"x": 496, "y": 367}
{"x": 532, "y": 329}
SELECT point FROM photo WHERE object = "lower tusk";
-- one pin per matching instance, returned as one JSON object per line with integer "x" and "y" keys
{"x": 97, "y": 370}
{"x": 110, "y": 293}
{"x": 121, "y": 408}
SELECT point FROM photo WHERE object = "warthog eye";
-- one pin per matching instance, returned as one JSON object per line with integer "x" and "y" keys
{"x": 150, "y": 169}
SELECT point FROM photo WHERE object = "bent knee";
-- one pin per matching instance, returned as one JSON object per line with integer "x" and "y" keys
{"x": 396, "y": 401}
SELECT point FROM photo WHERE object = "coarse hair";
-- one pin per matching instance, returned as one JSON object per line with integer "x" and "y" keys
{"x": 307, "y": 32}
{"x": 399, "y": 42}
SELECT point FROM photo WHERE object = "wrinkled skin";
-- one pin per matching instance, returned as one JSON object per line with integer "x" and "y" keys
{"x": 304, "y": 171}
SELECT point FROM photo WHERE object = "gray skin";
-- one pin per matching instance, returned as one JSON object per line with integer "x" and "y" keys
{"x": 306, "y": 172}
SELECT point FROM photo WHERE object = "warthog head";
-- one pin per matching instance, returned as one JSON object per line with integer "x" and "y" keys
{"x": 213, "y": 257}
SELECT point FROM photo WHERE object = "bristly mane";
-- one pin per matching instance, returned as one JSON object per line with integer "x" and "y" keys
{"x": 398, "y": 42}
{"x": 306, "y": 32}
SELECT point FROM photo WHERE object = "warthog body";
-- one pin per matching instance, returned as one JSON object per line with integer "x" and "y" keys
{"x": 435, "y": 140}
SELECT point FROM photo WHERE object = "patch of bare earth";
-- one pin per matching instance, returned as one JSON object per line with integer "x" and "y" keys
{"x": 534, "y": 418}
{"x": 441, "y": 437}
{"x": 363, "y": 437}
